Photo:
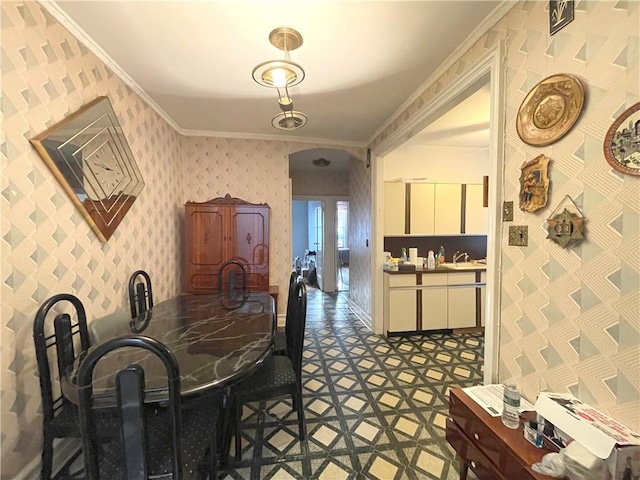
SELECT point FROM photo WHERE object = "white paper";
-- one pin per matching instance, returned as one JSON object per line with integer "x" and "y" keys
{"x": 490, "y": 397}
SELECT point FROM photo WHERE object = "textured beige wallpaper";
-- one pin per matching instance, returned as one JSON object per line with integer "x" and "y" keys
{"x": 570, "y": 318}
{"x": 320, "y": 183}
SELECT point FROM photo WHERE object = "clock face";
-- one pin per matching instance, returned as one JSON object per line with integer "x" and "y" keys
{"x": 89, "y": 155}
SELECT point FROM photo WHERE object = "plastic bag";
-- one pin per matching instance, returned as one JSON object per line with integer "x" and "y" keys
{"x": 552, "y": 464}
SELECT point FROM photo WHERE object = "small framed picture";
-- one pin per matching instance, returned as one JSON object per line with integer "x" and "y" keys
{"x": 560, "y": 14}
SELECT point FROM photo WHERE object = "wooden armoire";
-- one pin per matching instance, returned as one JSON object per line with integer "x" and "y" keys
{"x": 222, "y": 229}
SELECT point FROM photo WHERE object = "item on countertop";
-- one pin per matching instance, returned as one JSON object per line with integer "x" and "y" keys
{"x": 431, "y": 261}
{"x": 552, "y": 465}
{"x": 404, "y": 255}
{"x": 511, "y": 407}
{"x": 413, "y": 256}
{"x": 441, "y": 255}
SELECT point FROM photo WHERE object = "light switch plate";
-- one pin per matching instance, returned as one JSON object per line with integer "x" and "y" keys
{"x": 507, "y": 211}
{"x": 519, "y": 236}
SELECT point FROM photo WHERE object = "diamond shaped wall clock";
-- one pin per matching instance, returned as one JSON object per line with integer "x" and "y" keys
{"x": 90, "y": 157}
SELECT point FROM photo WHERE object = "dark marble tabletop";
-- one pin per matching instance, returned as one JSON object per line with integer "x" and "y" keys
{"x": 216, "y": 340}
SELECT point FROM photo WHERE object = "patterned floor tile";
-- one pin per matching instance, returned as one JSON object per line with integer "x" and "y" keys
{"x": 375, "y": 408}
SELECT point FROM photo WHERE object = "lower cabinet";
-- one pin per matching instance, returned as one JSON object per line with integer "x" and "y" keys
{"x": 434, "y": 301}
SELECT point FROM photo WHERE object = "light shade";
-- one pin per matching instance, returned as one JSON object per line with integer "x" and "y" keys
{"x": 278, "y": 74}
{"x": 289, "y": 120}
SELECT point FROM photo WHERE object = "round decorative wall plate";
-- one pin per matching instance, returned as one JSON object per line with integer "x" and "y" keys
{"x": 622, "y": 142}
{"x": 550, "y": 110}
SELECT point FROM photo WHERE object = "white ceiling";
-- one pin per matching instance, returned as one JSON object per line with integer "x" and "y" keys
{"x": 194, "y": 59}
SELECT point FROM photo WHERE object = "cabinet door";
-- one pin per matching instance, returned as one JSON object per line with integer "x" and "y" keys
{"x": 462, "y": 300}
{"x": 422, "y": 208}
{"x": 403, "y": 309}
{"x": 394, "y": 208}
{"x": 205, "y": 246}
{"x": 434, "y": 302}
{"x": 476, "y": 216}
{"x": 448, "y": 209}
{"x": 248, "y": 238}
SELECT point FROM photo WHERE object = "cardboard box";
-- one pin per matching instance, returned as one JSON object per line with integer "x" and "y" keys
{"x": 601, "y": 435}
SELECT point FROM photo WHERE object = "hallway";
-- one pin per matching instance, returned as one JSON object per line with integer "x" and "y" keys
{"x": 375, "y": 408}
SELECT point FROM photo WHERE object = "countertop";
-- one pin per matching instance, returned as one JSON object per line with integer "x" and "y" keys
{"x": 479, "y": 268}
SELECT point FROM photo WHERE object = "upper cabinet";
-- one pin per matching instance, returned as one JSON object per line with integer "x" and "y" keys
{"x": 433, "y": 209}
{"x": 394, "y": 208}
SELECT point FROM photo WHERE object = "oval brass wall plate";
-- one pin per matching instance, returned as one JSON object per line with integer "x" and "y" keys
{"x": 550, "y": 110}
{"x": 621, "y": 144}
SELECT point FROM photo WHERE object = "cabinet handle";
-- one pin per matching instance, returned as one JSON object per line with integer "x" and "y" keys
{"x": 476, "y": 436}
{"x": 248, "y": 238}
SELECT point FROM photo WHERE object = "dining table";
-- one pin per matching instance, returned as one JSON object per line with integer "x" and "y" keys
{"x": 217, "y": 339}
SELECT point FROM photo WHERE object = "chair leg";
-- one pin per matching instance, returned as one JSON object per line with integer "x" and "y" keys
{"x": 302, "y": 431}
{"x": 47, "y": 458}
{"x": 237, "y": 415}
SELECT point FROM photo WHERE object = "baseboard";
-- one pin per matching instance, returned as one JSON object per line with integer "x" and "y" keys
{"x": 363, "y": 316}
{"x": 63, "y": 449}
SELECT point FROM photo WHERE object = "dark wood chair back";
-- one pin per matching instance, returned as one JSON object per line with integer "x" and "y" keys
{"x": 70, "y": 337}
{"x": 130, "y": 396}
{"x": 295, "y": 335}
{"x": 227, "y": 276}
{"x": 140, "y": 293}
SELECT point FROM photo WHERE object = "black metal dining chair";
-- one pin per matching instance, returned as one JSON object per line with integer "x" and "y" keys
{"x": 160, "y": 442}
{"x": 280, "y": 337}
{"x": 140, "y": 293}
{"x": 227, "y": 276}
{"x": 279, "y": 375}
{"x": 69, "y": 338}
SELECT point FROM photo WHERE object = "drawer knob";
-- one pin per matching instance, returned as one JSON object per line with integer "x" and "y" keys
{"x": 473, "y": 464}
{"x": 476, "y": 436}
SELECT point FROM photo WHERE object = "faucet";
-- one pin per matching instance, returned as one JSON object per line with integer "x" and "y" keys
{"x": 457, "y": 256}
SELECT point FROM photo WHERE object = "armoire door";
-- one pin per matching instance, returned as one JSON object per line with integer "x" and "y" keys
{"x": 249, "y": 243}
{"x": 205, "y": 247}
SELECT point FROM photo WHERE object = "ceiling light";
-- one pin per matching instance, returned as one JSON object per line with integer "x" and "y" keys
{"x": 282, "y": 74}
{"x": 291, "y": 120}
{"x": 321, "y": 162}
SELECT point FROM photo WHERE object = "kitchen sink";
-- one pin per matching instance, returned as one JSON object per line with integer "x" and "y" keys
{"x": 464, "y": 265}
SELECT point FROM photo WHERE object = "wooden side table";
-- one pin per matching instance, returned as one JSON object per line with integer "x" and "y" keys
{"x": 485, "y": 445}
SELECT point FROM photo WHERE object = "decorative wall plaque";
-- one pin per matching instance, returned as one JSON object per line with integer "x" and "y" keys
{"x": 550, "y": 109}
{"x": 622, "y": 142}
{"x": 561, "y": 14}
{"x": 566, "y": 223}
{"x": 534, "y": 184}
{"x": 90, "y": 157}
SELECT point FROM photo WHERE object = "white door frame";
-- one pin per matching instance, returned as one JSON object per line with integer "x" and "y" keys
{"x": 490, "y": 64}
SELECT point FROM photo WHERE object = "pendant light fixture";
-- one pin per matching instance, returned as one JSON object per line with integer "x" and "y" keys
{"x": 282, "y": 74}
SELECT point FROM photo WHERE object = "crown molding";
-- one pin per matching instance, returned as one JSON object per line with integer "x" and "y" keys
{"x": 272, "y": 138}
{"x": 489, "y": 22}
{"x": 67, "y": 22}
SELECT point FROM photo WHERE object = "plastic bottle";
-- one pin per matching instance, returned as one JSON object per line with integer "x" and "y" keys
{"x": 431, "y": 261}
{"x": 511, "y": 407}
{"x": 441, "y": 255}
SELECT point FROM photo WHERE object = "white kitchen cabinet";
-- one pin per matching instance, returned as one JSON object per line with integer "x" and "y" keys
{"x": 461, "y": 300}
{"x": 434, "y": 302}
{"x": 476, "y": 216}
{"x": 448, "y": 208}
{"x": 422, "y": 208}
{"x": 394, "y": 208}
{"x": 400, "y": 304}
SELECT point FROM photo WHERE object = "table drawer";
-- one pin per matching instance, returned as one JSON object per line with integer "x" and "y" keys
{"x": 477, "y": 461}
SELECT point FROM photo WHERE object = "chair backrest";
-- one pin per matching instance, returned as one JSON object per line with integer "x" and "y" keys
{"x": 130, "y": 396}
{"x": 70, "y": 333}
{"x": 140, "y": 293}
{"x": 295, "y": 340}
{"x": 291, "y": 304}
{"x": 230, "y": 267}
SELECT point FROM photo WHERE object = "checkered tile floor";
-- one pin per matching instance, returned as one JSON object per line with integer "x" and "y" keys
{"x": 375, "y": 408}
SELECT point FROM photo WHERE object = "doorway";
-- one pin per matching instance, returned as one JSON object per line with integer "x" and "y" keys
{"x": 342, "y": 243}
{"x": 487, "y": 69}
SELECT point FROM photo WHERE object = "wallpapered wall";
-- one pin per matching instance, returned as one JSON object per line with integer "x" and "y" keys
{"x": 47, "y": 247}
{"x": 570, "y": 318}
{"x": 320, "y": 183}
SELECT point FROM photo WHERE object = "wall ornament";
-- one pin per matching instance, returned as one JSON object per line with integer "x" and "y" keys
{"x": 534, "y": 184}
{"x": 622, "y": 142}
{"x": 566, "y": 223}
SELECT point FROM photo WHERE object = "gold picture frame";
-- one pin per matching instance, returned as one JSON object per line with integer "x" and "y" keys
{"x": 534, "y": 184}
{"x": 90, "y": 157}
